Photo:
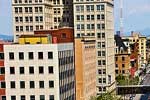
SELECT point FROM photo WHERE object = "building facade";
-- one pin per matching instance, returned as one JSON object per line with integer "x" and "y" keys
{"x": 85, "y": 65}
{"x": 31, "y": 15}
{"x": 38, "y": 68}
{"x": 141, "y": 42}
{"x": 95, "y": 19}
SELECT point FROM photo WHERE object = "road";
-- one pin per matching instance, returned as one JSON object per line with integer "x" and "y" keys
{"x": 146, "y": 81}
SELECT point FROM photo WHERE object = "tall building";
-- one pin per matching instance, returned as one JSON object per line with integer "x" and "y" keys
{"x": 31, "y": 15}
{"x": 94, "y": 18}
{"x": 39, "y": 68}
{"x": 85, "y": 65}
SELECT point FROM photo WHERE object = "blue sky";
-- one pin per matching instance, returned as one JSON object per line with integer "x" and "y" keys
{"x": 136, "y": 15}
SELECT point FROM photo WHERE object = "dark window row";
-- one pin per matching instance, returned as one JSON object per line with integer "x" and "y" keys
{"x": 31, "y": 70}
{"x": 30, "y": 55}
{"x": 32, "y": 97}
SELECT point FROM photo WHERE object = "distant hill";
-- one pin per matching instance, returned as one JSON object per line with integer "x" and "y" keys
{"x": 6, "y": 37}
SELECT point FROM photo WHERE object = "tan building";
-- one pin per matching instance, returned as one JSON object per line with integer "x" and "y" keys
{"x": 95, "y": 18}
{"x": 122, "y": 57}
{"x": 31, "y": 15}
{"x": 141, "y": 41}
{"x": 85, "y": 65}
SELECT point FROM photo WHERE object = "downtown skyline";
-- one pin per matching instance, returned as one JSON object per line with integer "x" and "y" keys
{"x": 133, "y": 15}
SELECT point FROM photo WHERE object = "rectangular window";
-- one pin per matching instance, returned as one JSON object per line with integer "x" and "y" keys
{"x": 3, "y": 85}
{"x": 31, "y": 70}
{"x": 99, "y": 71}
{"x": 40, "y": 55}
{"x": 23, "y": 97}
{"x": 13, "y": 97}
{"x": 3, "y": 97}
{"x": 50, "y": 55}
{"x": 21, "y": 55}
{"x": 21, "y": 69}
{"x": 41, "y": 84}
{"x": 12, "y": 70}
{"x": 99, "y": 62}
{"x": 123, "y": 58}
{"x": 50, "y": 69}
{"x": 11, "y": 55}
{"x": 32, "y": 97}
{"x": 2, "y": 56}
{"x": 123, "y": 65}
{"x": 100, "y": 80}
{"x": 104, "y": 62}
{"x": 31, "y": 55}
{"x": 42, "y": 97}
{"x": 12, "y": 84}
{"x": 104, "y": 71}
{"x": 51, "y": 97}
{"x": 41, "y": 70}
{"x": 51, "y": 84}
{"x": 104, "y": 80}
{"x": 32, "y": 84}
{"x": 2, "y": 70}
{"x": 22, "y": 84}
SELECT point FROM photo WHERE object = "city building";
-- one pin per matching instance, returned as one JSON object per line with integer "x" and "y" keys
{"x": 31, "y": 15}
{"x": 122, "y": 57}
{"x": 148, "y": 49}
{"x": 95, "y": 18}
{"x": 141, "y": 42}
{"x": 85, "y": 65}
{"x": 126, "y": 58}
{"x": 39, "y": 68}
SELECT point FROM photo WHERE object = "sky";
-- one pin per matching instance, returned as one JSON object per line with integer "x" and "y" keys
{"x": 136, "y": 15}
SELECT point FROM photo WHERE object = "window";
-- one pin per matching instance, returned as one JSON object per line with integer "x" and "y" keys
{"x": 99, "y": 53}
{"x": 32, "y": 97}
{"x": 1, "y": 55}
{"x": 21, "y": 70}
{"x": 42, "y": 97}
{"x": 12, "y": 70}
{"x": 123, "y": 58}
{"x": 22, "y": 84}
{"x": 50, "y": 69}
{"x": 116, "y": 71}
{"x": 104, "y": 71}
{"x": 32, "y": 84}
{"x": 23, "y": 97}
{"x": 41, "y": 84}
{"x": 50, "y": 55}
{"x": 104, "y": 88}
{"x": 40, "y": 55}
{"x": 12, "y": 84}
{"x": 41, "y": 70}
{"x": 102, "y": 7}
{"x": 123, "y": 65}
{"x": 123, "y": 71}
{"x": 116, "y": 65}
{"x": 51, "y": 84}
{"x": 104, "y": 80}
{"x": 104, "y": 62}
{"x": 31, "y": 70}
{"x": 99, "y": 62}
{"x": 3, "y": 85}
{"x": 99, "y": 71}
{"x": 51, "y": 97}
{"x": 30, "y": 55}
{"x": 100, "y": 80}
{"x": 2, "y": 70}
{"x": 21, "y": 55}
{"x": 11, "y": 55}
{"x": 13, "y": 97}
{"x": 3, "y": 97}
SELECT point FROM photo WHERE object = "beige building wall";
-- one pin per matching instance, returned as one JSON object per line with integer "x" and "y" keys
{"x": 96, "y": 20}
{"x": 85, "y": 65}
{"x": 31, "y": 15}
